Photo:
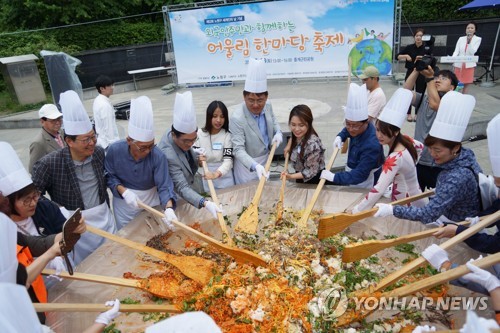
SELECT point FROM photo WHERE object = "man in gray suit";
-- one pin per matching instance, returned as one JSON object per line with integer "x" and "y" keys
{"x": 177, "y": 145}
{"x": 49, "y": 139}
{"x": 253, "y": 127}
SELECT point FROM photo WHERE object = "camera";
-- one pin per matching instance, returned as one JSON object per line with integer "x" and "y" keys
{"x": 427, "y": 58}
{"x": 424, "y": 62}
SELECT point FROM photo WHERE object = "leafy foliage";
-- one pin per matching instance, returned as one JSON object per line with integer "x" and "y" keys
{"x": 418, "y": 11}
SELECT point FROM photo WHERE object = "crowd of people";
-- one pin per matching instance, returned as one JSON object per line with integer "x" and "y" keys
{"x": 76, "y": 167}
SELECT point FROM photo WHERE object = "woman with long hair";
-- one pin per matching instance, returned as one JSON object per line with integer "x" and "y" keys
{"x": 215, "y": 140}
{"x": 399, "y": 166}
{"x": 457, "y": 191}
{"x": 410, "y": 54}
{"x": 307, "y": 153}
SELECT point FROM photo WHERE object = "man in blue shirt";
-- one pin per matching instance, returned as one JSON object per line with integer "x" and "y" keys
{"x": 366, "y": 155}
{"x": 138, "y": 170}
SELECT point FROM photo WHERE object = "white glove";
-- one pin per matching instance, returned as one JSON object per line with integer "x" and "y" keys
{"x": 261, "y": 171}
{"x": 481, "y": 276}
{"x": 325, "y": 174}
{"x": 199, "y": 151}
{"x": 58, "y": 265}
{"x": 472, "y": 220}
{"x": 106, "y": 317}
{"x": 130, "y": 198}
{"x": 474, "y": 324}
{"x": 278, "y": 138}
{"x": 337, "y": 143}
{"x": 212, "y": 208}
{"x": 384, "y": 210}
{"x": 435, "y": 255}
{"x": 423, "y": 329}
{"x": 169, "y": 217}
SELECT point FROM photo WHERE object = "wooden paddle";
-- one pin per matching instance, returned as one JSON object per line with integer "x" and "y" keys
{"x": 198, "y": 269}
{"x": 249, "y": 219}
{"x": 332, "y": 224}
{"x": 225, "y": 233}
{"x": 414, "y": 264}
{"x": 279, "y": 205}
{"x": 310, "y": 205}
{"x": 169, "y": 289}
{"x": 357, "y": 251}
{"x": 438, "y": 279}
{"x": 90, "y": 307}
{"x": 423, "y": 284}
{"x": 242, "y": 256}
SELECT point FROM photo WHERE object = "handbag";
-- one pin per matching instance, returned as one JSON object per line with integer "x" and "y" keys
{"x": 69, "y": 237}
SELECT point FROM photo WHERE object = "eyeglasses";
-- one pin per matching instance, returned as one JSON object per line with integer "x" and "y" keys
{"x": 353, "y": 126}
{"x": 189, "y": 141}
{"x": 88, "y": 139}
{"x": 33, "y": 198}
{"x": 144, "y": 148}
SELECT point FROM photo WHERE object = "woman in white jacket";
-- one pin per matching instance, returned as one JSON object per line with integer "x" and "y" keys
{"x": 466, "y": 46}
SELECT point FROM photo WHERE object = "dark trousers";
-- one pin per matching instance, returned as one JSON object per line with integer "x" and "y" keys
{"x": 314, "y": 180}
{"x": 427, "y": 176}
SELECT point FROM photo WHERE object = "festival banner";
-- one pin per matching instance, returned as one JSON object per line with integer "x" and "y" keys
{"x": 296, "y": 38}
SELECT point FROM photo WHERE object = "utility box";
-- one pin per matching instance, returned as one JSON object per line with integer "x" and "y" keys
{"x": 23, "y": 79}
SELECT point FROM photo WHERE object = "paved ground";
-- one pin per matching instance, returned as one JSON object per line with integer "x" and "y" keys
{"x": 325, "y": 97}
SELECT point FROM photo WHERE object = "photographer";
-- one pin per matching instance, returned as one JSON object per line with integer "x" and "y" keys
{"x": 410, "y": 54}
{"x": 466, "y": 46}
{"x": 437, "y": 84}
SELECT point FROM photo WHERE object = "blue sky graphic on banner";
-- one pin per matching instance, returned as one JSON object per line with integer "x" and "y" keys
{"x": 297, "y": 39}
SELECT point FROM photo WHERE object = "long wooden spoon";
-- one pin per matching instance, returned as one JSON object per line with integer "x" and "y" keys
{"x": 155, "y": 285}
{"x": 310, "y": 205}
{"x": 332, "y": 224}
{"x": 198, "y": 269}
{"x": 225, "y": 233}
{"x": 240, "y": 255}
{"x": 414, "y": 264}
{"x": 91, "y": 307}
{"x": 249, "y": 219}
{"x": 279, "y": 206}
{"x": 357, "y": 251}
{"x": 423, "y": 284}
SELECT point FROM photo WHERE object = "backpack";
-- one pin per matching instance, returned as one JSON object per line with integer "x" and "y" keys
{"x": 488, "y": 191}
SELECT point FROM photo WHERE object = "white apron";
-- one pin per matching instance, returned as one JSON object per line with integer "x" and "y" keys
{"x": 242, "y": 175}
{"x": 124, "y": 213}
{"x": 225, "y": 181}
{"x": 99, "y": 217}
{"x": 368, "y": 183}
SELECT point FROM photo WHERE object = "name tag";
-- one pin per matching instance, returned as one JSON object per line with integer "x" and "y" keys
{"x": 217, "y": 146}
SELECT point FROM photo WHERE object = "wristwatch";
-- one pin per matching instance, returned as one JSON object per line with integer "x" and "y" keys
{"x": 429, "y": 79}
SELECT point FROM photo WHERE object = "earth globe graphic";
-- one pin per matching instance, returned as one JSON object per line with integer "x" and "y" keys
{"x": 371, "y": 52}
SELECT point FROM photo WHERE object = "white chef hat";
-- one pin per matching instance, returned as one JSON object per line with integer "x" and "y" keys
{"x": 453, "y": 116}
{"x": 140, "y": 124}
{"x": 256, "y": 80}
{"x": 8, "y": 255}
{"x": 493, "y": 132}
{"x": 184, "y": 114}
{"x": 76, "y": 120}
{"x": 357, "y": 103}
{"x": 189, "y": 322}
{"x": 394, "y": 111}
{"x": 16, "y": 310}
{"x": 13, "y": 175}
